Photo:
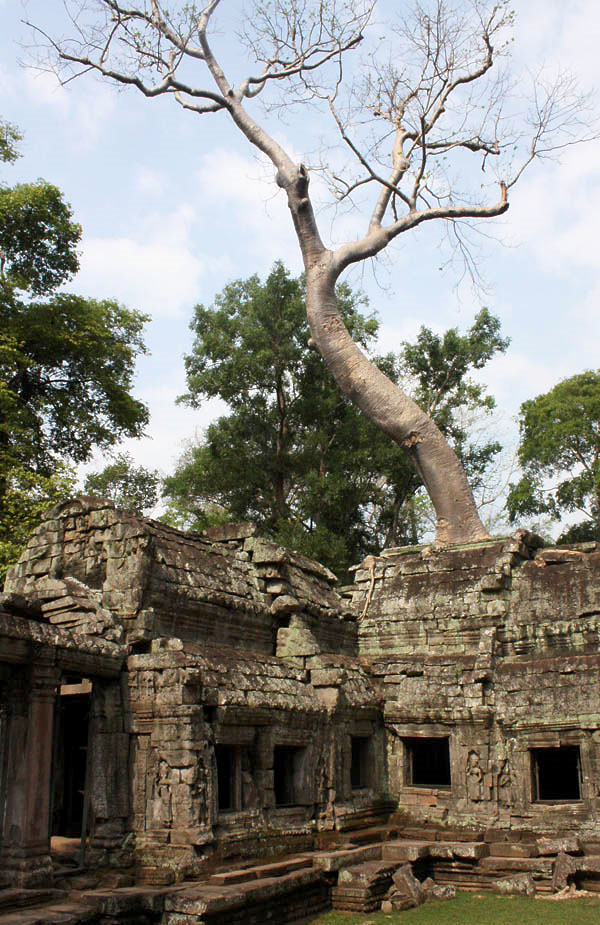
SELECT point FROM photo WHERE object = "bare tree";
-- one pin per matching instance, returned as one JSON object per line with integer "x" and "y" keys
{"x": 429, "y": 103}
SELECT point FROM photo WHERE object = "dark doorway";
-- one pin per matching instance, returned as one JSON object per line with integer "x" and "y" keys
{"x": 428, "y": 762}
{"x": 70, "y": 758}
{"x": 287, "y": 774}
{"x": 556, "y": 774}
{"x": 228, "y": 774}
{"x": 359, "y": 765}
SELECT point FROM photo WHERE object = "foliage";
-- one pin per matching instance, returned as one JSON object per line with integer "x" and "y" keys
{"x": 132, "y": 488}
{"x": 67, "y": 373}
{"x": 559, "y": 453}
{"x": 66, "y": 362}
{"x": 27, "y": 497}
{"x": 38, "y": 238}
{"x": 10, "y": 136}
{"x": 294, "y": 454}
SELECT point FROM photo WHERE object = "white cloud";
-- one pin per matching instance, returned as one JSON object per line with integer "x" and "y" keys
{"x": 158, "y": 271}
{"x": 171, "y": 428}
{"x": 84, "y": 108}
{"x": 514, "y": 377}
{"x": 150, "y": 181}
{"x": 44, "y": 89}
{"x": 243, "y": 191}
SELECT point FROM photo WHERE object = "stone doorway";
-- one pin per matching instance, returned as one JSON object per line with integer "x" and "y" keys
{"x": 70, "y": 762}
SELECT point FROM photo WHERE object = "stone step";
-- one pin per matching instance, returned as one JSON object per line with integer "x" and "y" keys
{"x": 62, "y": 913}
{"x": 380, "y": 833}
{"x": 262, "y": 871}
{"x": 212, "y": 903}
{"x": 331, "y": 861}
{"x": 14, "y": 898}
{"x": 402, "y": 850}
{"x": 498, "y": 866}
{"x": 513, "y": 850}
{"x": 461, "y": 835}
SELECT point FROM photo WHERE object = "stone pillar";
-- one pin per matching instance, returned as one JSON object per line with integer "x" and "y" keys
{"x": 108, "y": 776}
{"x": 26, "y": 830}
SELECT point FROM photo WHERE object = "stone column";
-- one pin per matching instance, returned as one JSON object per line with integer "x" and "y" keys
{"x": 26, "y": 831}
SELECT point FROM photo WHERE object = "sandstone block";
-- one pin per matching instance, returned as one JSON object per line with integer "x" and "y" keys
{"x": 437, "y": 891}
{"x": 286, "y": 604}
{"x": 518, "y": 885}
{"x": 569, "y": 844}
{"x": 405, "y": 882}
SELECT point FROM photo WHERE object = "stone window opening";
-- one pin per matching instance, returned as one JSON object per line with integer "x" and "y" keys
{"x": 556, "y": 774}
{"x": 229, "y": 778}
{"x": 288, "y": 768}
{"x": 428, "y": 762}
{"x": 360, "y": 762}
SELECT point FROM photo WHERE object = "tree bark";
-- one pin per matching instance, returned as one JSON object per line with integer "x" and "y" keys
{"x": 392, "y": 411}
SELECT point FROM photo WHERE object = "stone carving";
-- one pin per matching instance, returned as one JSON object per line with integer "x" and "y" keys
{"x": 162, "y": 797}
{"x": 474, "y": 777}
{"x": 505, "y": 784}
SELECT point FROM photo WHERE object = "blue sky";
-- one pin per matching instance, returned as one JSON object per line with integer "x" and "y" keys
{"x": 174, "y": 206}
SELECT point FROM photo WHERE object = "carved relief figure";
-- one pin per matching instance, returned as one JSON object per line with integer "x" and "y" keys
{"x": 505, "y": 782}
{"x": 474, "y": 777}
{"x": 161, "y": 797}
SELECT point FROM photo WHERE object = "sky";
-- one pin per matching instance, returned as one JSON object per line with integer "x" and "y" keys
{"x": 174, "y": 206}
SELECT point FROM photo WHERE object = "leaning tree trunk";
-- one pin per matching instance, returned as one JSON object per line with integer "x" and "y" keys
{"x": 392, "y": 411}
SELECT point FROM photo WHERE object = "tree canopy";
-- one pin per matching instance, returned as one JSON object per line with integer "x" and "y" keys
{"x": 66, "y": 362}
{"x": 294, "y": 454}
{"x": 425, "y": 119}
{"x": 132, "y": 488}
{"x": 559, "y": 453}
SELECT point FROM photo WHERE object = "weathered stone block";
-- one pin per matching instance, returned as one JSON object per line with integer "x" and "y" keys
{"x": 517, "y": 885}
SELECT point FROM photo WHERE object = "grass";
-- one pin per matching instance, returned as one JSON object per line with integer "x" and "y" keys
{"x": 480, "y": 910}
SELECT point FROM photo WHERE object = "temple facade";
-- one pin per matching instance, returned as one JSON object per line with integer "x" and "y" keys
{"x": 179, "y": 702}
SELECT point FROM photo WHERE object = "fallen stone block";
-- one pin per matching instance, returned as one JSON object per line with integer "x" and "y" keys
{"x": 437, "y": 891}
{"x": 518, "y": 885}
{"x": 331, "y": 861}
{"x": 508, "y": 850}
{"x": 564, "y": 867}
{"x": 469, "y": 851}
{"x": 405, "y": 882}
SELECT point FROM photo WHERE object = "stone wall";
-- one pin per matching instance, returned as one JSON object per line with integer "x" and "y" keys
{"x": 185, "y": 702}
{"x": 493, "y": 649}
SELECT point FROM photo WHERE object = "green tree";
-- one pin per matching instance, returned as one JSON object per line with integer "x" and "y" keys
{"x": 559, "y": 453}
{"x": 132, "y": 488}
{"x": 294, "y": 454}
{"x": 66, "y": 362}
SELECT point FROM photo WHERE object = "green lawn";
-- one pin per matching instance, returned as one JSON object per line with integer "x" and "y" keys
{"x": 473, "y": 908}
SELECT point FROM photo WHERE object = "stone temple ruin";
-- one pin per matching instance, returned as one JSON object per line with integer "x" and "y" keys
{"x": 225, "y": 736}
